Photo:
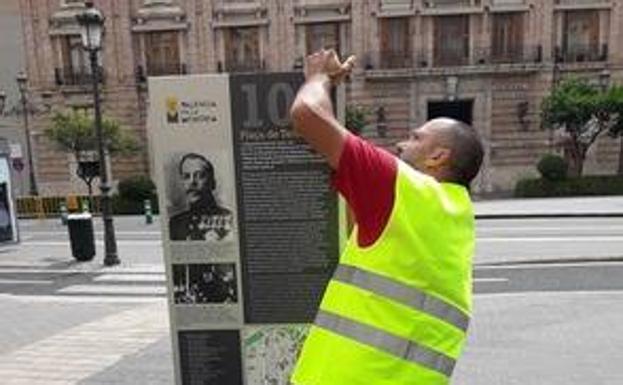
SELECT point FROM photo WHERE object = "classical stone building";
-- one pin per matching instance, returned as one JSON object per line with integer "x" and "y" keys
{"x": 489, "y": 62}
{"x": 12, "y": 133}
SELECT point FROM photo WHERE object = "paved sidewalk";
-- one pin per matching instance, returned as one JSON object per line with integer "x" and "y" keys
{"x": 82, "y": 323}
{"x": 89, "y": 338}
{"x": 74, "y": 355}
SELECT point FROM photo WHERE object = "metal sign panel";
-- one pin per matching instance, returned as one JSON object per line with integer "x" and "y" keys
{"x": 250, "y": 224}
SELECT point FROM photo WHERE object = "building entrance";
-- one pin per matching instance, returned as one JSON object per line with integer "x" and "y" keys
{"x": 460, "y": 110}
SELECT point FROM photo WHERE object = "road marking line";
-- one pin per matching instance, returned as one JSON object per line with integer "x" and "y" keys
{"x": 142, "y": 242}
{"x": 564, "y": 229}
{"x": 110, "y": 299}
{"x": 545, "y": 265}
{"x": 24, "y": 282}
{"x": 99, "y": 344}
{"x": 549, "y": 293}
{"x": 113, "y": 289}
{"x": 131, "y": 277}
{"x": 75, "y": 271}
{"x": 490, "y": 279}
{"x": 96, "y": 232}
{"x": 22, "y": 263}
{"x": 574, "y": 238}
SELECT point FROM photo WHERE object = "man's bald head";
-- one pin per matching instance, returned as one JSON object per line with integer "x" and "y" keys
{"x": 445, "y": 148}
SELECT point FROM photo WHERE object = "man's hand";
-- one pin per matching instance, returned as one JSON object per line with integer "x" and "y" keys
{"x": 312, "y": 113}
{"x": 326, "y": 65}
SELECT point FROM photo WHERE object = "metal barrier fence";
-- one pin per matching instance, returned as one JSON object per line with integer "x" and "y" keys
{"x": 46, "y": 207}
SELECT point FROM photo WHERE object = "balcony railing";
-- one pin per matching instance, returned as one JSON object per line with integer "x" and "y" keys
{"x": 449, "y": 58}
{"x": 447, "y": 3}
{"x": 249, "y": 65}
{"x": 142, "y": 74}
{"x": 392, "y": 60}
{"x": 71, "y": 76}
{"x": 426, "y": 58}
{"x": 578, "y": 53}
{"x": 163, "y": 69}
{"x": 581, "y": 3}
{"x": 508, "y": 3}
{"x": 513, "y": 55}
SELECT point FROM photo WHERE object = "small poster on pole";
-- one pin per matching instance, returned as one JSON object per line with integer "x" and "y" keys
{"x": 8, "y": 217}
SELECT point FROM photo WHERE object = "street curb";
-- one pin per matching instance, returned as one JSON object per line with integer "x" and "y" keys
{"x": 549, "y": 215}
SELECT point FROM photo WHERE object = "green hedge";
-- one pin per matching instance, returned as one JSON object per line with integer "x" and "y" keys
{"x": 124, "y": 206}
{"x": 553, "y": 167}
{"x": 133, "y": 192}
{"x": 587, "y": 185}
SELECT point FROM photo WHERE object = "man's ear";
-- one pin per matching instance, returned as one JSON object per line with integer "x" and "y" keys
{"x": 440, "y": 156}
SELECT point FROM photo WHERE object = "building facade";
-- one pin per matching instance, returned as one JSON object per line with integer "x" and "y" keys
{"x": 488, "y": 62}
{"x": 12, "y": 132}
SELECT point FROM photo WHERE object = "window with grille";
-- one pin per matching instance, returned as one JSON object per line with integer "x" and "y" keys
{"x": 162, "y": 53}
{"x": 242, "y": 49}
{"x": 322, "y": 35}
{"x": 581, "y": 36}
{"x": 507, "y": 37}
{"x": 395, "y": 44}
{"x": 75, "y": 67}
{"x": 451, "y": 46}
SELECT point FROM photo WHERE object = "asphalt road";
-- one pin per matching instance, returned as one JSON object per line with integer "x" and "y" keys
{"x": 500, "y": 241}
{"x": 547, "y": 309}
{"x": 545, "y": 324}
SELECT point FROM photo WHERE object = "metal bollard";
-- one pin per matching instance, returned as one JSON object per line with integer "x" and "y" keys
{"x": 149, "y": 218}
{"x": 64, "y": 213}
{"x": 85, "y": 206}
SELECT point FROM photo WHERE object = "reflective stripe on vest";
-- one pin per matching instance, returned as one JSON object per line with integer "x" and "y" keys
{"x": 404, "y": 294}
{"x": 386, "y": 342}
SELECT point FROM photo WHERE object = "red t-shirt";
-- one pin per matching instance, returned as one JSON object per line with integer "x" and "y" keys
{"x": 366, "y": 177}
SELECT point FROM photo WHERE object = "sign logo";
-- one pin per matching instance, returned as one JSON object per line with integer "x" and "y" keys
{"x": 190, "y": 111}
{"x": 173, "y": 115}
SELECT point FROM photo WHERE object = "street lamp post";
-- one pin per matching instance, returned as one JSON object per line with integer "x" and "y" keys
{"x": 604, "y": 80}
{"x": 21, "y": 84}
{"x": 92, "y": 24}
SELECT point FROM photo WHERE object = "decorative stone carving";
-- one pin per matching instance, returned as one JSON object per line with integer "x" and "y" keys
{"x": 157, "y": 15}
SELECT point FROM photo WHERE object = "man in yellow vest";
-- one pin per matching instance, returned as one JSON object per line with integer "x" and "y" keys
{"x": 397, "y": 308}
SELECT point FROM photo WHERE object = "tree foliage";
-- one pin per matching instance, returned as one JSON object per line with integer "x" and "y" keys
{"x": 583, "y": 112}
{"x": 74, "y": 132}
{"x": 356, "y": 118}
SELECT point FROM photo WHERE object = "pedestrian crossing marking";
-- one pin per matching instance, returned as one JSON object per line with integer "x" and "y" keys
{"x": 113, "y": 289}
{"x": 25, "y": 282}
{"x": 155, "y": 277}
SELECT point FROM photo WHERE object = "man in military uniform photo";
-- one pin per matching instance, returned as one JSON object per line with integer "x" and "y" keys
{"x": 205, "y": 219}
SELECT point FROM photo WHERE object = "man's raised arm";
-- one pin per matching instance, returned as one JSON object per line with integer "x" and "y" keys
{"x": 312, "y": 113}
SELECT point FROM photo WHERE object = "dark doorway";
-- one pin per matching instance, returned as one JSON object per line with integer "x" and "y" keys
{"x": 460, "y": 110}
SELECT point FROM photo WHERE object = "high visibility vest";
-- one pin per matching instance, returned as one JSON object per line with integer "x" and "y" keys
{"x": 397, "y": 312}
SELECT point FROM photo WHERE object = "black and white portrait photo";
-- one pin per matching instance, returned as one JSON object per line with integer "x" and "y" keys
{"x": 193, "y": 187}
{"x": 204, "y": 283}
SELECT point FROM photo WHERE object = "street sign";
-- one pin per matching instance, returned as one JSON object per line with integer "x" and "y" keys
{"x": 18, "y": 164}
{"x": 88, "y": 169}
{"x": 15, "y": 150}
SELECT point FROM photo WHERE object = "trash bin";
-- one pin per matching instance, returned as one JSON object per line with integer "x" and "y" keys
{"x": 81, "y": 236}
